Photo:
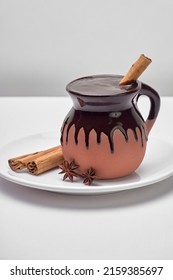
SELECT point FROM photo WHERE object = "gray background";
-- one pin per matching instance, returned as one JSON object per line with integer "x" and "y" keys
{"x": 44, "y": 44}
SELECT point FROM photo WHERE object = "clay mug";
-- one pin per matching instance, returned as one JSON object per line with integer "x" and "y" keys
{"x": 105, "y": 129}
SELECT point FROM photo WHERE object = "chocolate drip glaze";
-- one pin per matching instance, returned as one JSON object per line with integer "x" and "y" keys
{"x": 100, "y": 104}
{"x": 104, "y": 122}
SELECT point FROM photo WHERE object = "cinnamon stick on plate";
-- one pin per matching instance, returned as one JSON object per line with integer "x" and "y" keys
{"x": 39, "y": 162}
{"x": 46, "y": 161}
{"x": 136, "y": 70}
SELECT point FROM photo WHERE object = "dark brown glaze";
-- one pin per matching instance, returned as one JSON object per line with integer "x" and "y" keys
{"x": 107, "y": 110}
{"x": 104, "y": 122}
{"x": 99, "y": 98}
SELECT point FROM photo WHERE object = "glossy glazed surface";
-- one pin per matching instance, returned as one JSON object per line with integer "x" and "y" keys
{"x": 105, "y": 130}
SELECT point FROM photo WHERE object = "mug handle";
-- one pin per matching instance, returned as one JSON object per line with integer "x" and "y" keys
{"x": 154, "y": 104}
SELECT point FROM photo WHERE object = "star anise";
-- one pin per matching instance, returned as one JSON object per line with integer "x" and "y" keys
{"x": 89, "y": 176}
{"x": 69, "y": 170}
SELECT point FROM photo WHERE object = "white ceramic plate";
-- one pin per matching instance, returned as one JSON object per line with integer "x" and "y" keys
{"x": 156, "y": 166}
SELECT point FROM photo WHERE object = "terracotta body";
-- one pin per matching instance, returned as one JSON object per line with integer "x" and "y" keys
{"x": 104, "y": 129}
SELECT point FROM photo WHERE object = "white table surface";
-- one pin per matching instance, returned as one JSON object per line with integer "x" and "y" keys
{"x": 36, "y": 224}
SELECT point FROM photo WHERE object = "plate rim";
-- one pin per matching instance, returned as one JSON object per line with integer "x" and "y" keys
{"x": 73, "y": 188}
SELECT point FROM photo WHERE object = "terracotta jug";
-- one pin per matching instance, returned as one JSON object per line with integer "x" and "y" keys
{"x": 105, "y": 130}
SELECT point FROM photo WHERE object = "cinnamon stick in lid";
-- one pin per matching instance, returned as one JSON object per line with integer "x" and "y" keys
{"x": 136, "y": 70}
